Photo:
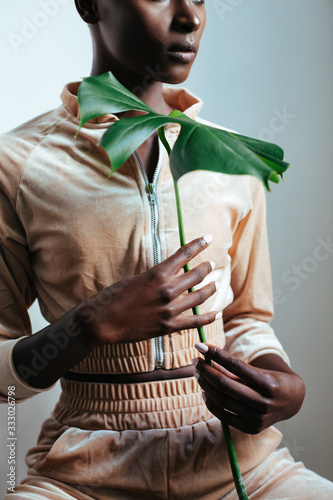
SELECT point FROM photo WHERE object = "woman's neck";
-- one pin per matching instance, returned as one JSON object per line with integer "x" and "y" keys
{"x": 145, "y": 87}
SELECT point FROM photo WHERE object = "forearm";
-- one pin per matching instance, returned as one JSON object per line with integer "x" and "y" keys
{"x": 41, "y": 359}
{"x": 272, "y": 362}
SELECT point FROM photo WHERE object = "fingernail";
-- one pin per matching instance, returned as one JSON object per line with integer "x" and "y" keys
{"x": 204, "y": 397}
{"x": 208, "y": 238}
{"x": 195, "y": 361}
{"x": 212, "y": 264}
{"x": 218, "y": 316}
{"x": 197, "y": 375}
{"x": 217, "y": 286}
{"x": 201, "y": 347}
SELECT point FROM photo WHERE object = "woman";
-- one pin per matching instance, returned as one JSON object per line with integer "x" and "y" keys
{"x": 102, "y": 259}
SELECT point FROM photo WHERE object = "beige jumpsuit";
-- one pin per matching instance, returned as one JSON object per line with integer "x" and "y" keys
{"x": 63, "y": 239}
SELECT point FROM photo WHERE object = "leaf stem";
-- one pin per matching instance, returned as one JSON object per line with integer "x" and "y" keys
{"x": 238, "y": 480}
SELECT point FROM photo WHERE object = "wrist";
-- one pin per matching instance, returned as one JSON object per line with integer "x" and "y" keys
{"x": 90, "y": 318}
{"x": 85, "y": 319}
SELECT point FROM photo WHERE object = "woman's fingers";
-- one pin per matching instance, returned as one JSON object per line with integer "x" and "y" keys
{"x": 213, "y": 382}
{"x": 172, "y": 282}
{"x": 227, "y": 417}
{"x": 193, "y": 277}
{"x": 172, "y": 290}
{"x": 189, "y": 300}
{"x": 158, "y": 297}
{"x": 222, "y": 400}
{"x": 256, "y": 378}
{"x": 184, "y": 254}
{"x": 225, "y": 371}
{"x": 259, "y": 397}
{"x": 190, "y": 322}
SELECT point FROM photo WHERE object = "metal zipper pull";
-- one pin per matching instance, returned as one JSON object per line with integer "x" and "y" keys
{"x": 152, "y": 198}
{"x": 159, "y": 354}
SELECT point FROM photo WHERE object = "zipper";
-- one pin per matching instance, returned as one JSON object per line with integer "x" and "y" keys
{"x": 156, "y": 244}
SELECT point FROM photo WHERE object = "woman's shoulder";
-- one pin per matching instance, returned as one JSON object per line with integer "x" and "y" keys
{"x": 27, "y": 135}
{"x": 18, "y": 144}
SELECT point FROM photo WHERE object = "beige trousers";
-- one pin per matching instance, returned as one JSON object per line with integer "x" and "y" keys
{"x": 154, "y": 441}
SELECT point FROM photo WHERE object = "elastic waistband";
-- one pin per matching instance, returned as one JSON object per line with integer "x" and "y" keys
{"x": 130, "y": 378}
{"x": 158, "y": 404}
{"x": 138, "y": 357}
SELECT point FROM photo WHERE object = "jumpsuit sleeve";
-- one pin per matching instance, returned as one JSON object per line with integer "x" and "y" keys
{"x": 246, "y": 320}
{"x": 17, "y": 293}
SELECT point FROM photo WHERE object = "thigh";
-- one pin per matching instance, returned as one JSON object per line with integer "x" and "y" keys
{"x": 37, "y": 487}
{"x": 279, "y": 477}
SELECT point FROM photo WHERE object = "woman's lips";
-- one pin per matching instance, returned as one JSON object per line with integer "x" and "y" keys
{"x": 182, "y": 55}
{"x": 183, "y": 52}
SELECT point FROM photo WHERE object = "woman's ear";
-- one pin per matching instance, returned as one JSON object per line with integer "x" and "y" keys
{"x": 87, "y": 10}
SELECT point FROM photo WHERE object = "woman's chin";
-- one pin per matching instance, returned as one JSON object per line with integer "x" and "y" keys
{"x": 178, "y": 74}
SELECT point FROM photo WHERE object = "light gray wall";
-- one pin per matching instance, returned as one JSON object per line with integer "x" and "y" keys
{"x": 258, "y": 60}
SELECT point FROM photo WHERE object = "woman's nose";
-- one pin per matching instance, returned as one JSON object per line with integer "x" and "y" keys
{"x": 185, "y": 18}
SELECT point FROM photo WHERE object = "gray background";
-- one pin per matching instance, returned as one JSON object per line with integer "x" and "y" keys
{"x": 257, "y": 60}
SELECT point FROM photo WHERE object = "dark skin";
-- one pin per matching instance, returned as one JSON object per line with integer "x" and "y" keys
{"x": 250, "y": 397}
{"x": 129, "y": 37}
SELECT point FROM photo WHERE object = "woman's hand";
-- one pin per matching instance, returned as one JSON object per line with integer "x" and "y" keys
{"x": 151, "y": 304}
{"x": 246, "y": 397}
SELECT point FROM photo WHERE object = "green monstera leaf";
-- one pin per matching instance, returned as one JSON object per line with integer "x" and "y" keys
{"x": 198, "y": 146}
